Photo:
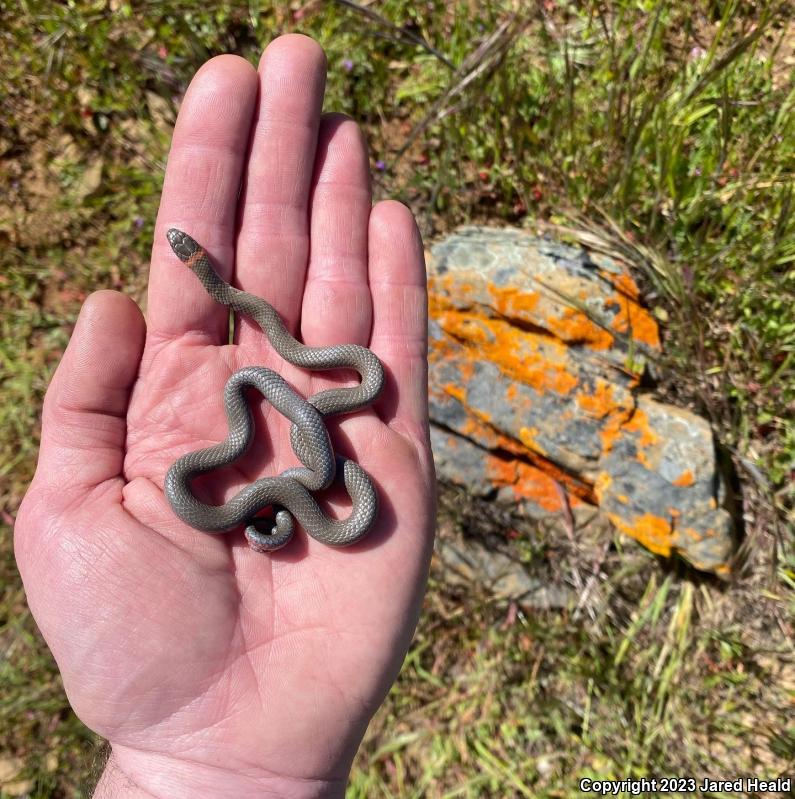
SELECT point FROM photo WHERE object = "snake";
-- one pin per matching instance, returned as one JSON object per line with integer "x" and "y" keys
{"x": 288, "y": 493}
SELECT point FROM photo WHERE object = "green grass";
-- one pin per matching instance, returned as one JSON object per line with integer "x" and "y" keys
{"x": 663, "y": 131}
{"x": 659, "y": 683}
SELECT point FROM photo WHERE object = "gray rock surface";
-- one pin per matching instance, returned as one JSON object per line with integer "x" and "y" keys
{"x": 501, "y": 575}
{"x": 536, "y": 350}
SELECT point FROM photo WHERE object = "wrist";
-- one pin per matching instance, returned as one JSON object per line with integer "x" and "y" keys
{"x": 132, "y": 774}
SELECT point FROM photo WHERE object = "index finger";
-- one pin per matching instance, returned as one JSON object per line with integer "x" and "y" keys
{"x": 205, "y": 168}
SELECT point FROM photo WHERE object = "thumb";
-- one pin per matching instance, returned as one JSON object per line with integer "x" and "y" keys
{"x": 84, "y": 421}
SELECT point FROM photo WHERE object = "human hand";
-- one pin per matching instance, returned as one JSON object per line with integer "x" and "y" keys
{"x": 214, "y": 670}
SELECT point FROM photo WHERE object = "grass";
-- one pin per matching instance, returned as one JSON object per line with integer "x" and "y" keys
{"x": 661, "y": 130}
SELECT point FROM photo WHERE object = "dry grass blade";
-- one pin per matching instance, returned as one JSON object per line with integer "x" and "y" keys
{"x": 610, "y": 239}
{"x": 486, "y": 58}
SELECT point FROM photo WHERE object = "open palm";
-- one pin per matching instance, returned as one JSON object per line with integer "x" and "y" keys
{"x": 212, "y": 669}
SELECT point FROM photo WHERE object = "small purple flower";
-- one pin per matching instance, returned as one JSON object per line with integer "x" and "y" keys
{"x": 347, "y": 64}
{"x": 697, "y": 52}
{"x": 697, "y": 171}
{"x": 138, "y": 222}
{"x": 380, "y": 166}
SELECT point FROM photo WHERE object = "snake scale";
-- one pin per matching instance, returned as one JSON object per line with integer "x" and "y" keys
{"x": 288, "y": 493}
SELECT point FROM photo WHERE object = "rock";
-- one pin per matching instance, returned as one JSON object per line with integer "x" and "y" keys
{"x": 469, "y": 562}
{"x": 537, "y": 349}
{"x": 659, "y": 483}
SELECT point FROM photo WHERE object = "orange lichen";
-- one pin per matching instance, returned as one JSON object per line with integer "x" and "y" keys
{"x": 623, "y": 282}
{"x": 635, "y": 321}
{"x": 623, "y": 499}
{"x": 479, "y": 430}
{"x": 449, "y": 284}
{"x": 527, "y": 435}
{"x": 483, "y": 433}
{"x": 516, "y": 352}
{"x": 629, "y": 421}
{"x": 473, "y": 330}
{"x": 639, "y": 423}
{"x": 601, "y": 484}
{"x": 612, "y": 427}
{"x": 456, "y": 390}
{"x": 685, "y": 479}
{"x": 513, "y": 301}
{"x": 600, "y": 403}
{"x": 654, "y": 532}
{"x": 657, "y": 535}
{"x": 527, "y": 482}
{"x": 573, "y": 326}
{"x": 467, "y": 370}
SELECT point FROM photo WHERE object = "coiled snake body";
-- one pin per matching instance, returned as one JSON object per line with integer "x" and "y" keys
{"x": 289, "y": 490}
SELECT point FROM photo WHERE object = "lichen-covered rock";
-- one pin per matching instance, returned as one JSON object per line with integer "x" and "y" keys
{"x": 658, "y": 482}
{"x": 537, "y": 349}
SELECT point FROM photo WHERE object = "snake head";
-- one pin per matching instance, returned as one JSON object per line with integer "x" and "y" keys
{"x": 183, "y": 245}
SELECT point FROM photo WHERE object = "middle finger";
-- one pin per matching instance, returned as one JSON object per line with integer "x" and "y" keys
{"x": 273, "y": 242}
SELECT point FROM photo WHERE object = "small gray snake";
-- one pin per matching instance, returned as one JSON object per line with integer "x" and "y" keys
{"x": 289, "y": 492}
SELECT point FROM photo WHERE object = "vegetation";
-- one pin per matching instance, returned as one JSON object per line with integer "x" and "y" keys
{"x": 662, "y": 130}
